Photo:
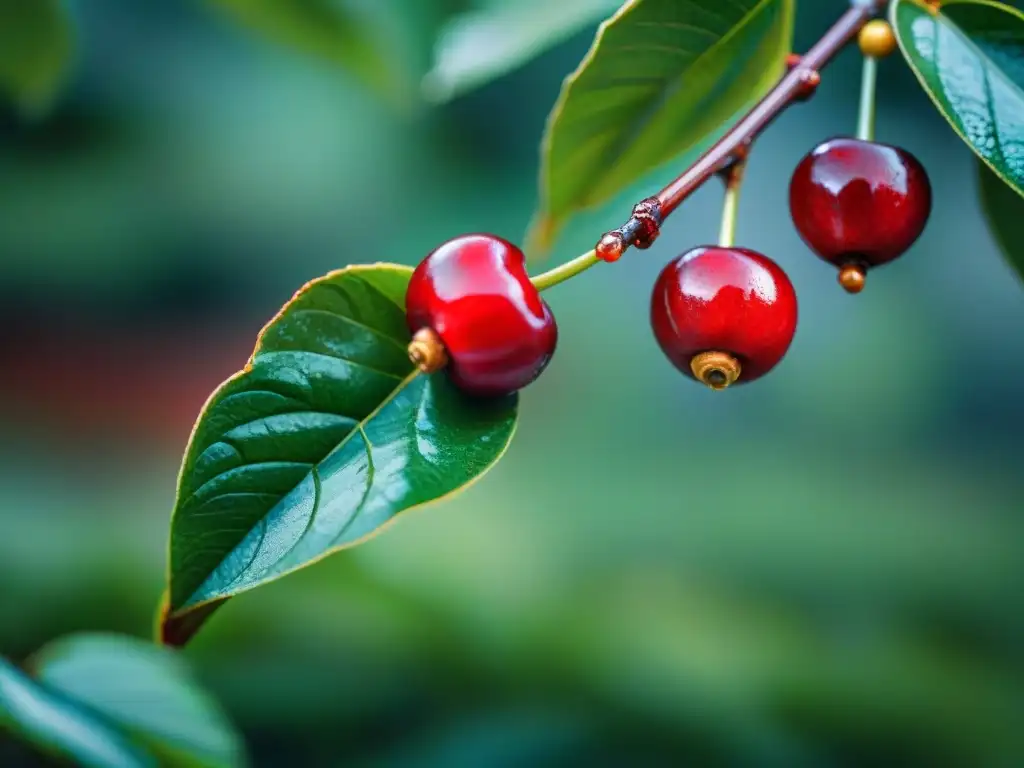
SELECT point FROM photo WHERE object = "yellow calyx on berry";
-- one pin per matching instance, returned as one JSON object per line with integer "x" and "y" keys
{"x": 427, "y": 352}
{"x": 718, "y": 370}
{"x": 852, "y": 278}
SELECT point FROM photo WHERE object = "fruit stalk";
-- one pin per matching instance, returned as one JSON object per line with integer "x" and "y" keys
{"x": 733, "y": 179}
{"x": 563, "y": 272}
{"x": 866, "y": 116}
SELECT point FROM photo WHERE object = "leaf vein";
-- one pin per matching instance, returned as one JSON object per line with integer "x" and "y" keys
{"x": 228, "y": 495}
{"x": 329, "y": 356}
{"x": 642, "y": 117}
{"x": 313, "y": 514}
{"x": 676, "y": 25}
{"x": 243, "y": 465}
{"x": 353, "y": 322}
{"x": 370, "y": 474}
{"x": 379, "y": 292}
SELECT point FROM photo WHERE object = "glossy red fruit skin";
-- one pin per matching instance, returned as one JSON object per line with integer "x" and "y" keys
{"x": 474, "y": 292}
{"x": 730, "y": 300}
{"x": 859, "y": 202}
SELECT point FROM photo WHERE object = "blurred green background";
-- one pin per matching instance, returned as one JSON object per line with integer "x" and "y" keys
{"x": 822, "y": 569}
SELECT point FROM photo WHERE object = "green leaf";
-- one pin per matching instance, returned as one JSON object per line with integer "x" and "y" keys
{"x": 483, "y": 44}
{"x": 343, "y": 32}
{"x": 107, "y": 701}
{"x": 660, "y": 77}
{"x": 36, "y": 44}
{"x": 325, "y": 436}
{"x": 1004, "y": 209}
{"x": 59, "y": 728}
{"x": 148, "y": 692}
{"x": 969, "y": 57}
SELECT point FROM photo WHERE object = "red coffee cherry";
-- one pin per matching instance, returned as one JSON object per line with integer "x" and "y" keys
{"x": 723, "y": 315}
{"x": 859, "y": 204}
{"x": 470, "y": 304}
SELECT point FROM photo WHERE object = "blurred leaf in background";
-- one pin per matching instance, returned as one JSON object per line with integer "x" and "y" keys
{"x": 346, "y": 32}
{"x": 483, "y": 44}
{"x": 36, "y": 49}
{"x": 58, "y": 728}
{"x": 115, "y": 702}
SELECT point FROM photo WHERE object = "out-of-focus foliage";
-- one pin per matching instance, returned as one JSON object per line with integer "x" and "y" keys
{"x": 106, "y": 701}
{"x": 345, "y": 32}
{"x": 57, "y": 728}
{"x": 36, "y": 44}
{"x": 485, "y": 43}
{"x": 822, "y": 569}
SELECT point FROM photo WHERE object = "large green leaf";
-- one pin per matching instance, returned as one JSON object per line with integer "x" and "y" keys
{"x": 969, "y": 57}
{"x": 36, "y": 43}
{"x": 660, "y": 77}
{"x": 106, "y": 701}
{"x": 1004, "y": 209}
{"x": 325, "y": 436}
{"x": 478, "y": 46}
{"x": 344, "y": 32}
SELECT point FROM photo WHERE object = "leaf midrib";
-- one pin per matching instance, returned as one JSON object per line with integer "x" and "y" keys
{"x": 375, "y": 332}
{"x": 192, "y": 603}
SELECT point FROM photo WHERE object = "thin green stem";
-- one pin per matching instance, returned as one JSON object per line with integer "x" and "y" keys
{"x": 731, "y": 206}
{"x": 563, "y": 272}
{"x": 866, "y": 119}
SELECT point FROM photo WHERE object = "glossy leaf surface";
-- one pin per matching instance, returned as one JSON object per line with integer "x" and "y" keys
{"x": 36, "y": 44}
{"x": 483, "y": 44}
{"x": 322, "y": 439}
{"x": 969, "y": 57}
{"x": 106, "y": 701}
{"x": 340, "y": 32}
{"x": 661, "y": 76}
{"x": 1004, "y": 209}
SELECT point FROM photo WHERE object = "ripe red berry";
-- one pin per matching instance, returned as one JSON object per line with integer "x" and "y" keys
{"x": 723, "y": 315}
{"x": 859, "y": 204}
{"x": 474, "y": 294}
